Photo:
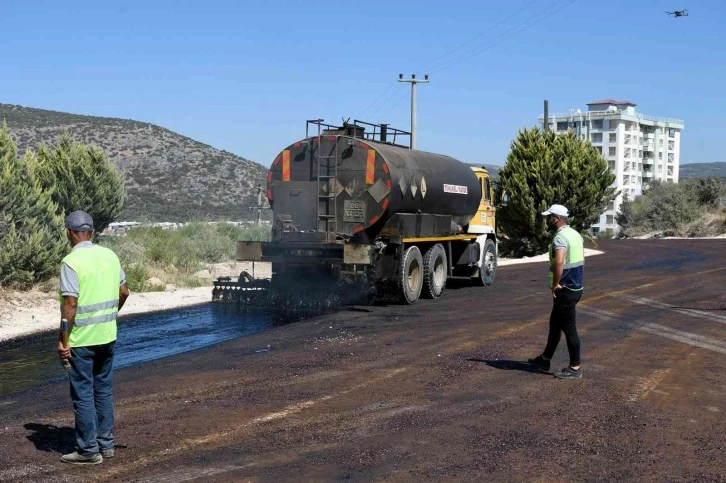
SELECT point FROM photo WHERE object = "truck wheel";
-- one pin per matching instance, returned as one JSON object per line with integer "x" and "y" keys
{"x": 435, "y": 272}
{"x": 411, "y": 276}
{"x": 488, "y": 268}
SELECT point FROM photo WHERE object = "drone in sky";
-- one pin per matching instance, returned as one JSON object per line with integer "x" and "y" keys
{"x": 678, "y": 13}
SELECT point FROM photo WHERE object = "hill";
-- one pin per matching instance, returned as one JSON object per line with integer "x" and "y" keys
{"x": 703, "y": 170}
{"x": 169, "y": 177}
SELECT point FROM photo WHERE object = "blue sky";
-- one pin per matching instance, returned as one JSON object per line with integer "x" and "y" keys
{"x": 244, "y": 76}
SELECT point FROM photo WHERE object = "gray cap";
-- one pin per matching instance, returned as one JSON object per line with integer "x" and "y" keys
{"x": 79, "y": 221}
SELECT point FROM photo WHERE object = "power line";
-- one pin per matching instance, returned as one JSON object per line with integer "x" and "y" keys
{"x": 478, "y": 35}
{"x": 378, "y": 98}
{"x": 388, "y": 99}
{"x": 400, "y": 98}
{"x": 433, "y": 62}
{"x": 474, "y": 52}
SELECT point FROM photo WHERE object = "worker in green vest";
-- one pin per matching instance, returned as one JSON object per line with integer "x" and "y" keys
{"x": 567, "y": 265}
{"x": 93, "y": 290}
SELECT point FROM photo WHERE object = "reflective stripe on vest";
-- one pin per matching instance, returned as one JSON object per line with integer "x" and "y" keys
{"x": 574, "y": 259}
{"x": 98, "y": 271}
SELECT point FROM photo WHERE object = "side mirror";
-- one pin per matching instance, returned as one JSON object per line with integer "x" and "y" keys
{"x": 505, "y": 199}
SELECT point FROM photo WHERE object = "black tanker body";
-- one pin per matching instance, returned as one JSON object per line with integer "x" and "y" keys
{"x": 371, "y": 213}
{"x": 374, "y": 181}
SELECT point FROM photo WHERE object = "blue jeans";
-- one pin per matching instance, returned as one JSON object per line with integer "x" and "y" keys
{"x": 91, "y": 378}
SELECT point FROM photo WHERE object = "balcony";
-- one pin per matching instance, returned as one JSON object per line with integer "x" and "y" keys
{"x": 668, "y": 120}
{"x": 648, "y": 145}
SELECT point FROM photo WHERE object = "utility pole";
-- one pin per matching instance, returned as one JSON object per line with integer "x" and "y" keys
{"x": 413, "y": 81}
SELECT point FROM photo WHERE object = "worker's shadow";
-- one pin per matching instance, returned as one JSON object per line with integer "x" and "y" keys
{"x": 51, "y": 438}
{"x": 509, "y": 365}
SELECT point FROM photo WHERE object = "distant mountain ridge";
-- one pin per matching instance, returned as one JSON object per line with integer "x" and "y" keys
{"x": 169, "y": 177}
{"x": 703, "y": 170}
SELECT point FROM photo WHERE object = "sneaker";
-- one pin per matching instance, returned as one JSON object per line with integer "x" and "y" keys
{"x": 569, "y": 373}
{"x": 540, "y": 362}
{"x": 107, "y": 453}
{"x": 76, "y": 458}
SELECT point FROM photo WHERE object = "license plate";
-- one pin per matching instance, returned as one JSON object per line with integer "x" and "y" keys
{"x": 354, "y": 211}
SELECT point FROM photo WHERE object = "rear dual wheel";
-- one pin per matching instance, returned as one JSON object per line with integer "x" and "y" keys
{"x": 410, "y": 280}
{"x": 422, "y": 275}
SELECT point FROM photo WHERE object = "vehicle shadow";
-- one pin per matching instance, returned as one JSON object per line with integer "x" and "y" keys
{"x": 51, "y": 438}
{"x": 506, "y": 365}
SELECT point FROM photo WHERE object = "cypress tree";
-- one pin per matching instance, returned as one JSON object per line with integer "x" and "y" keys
{"x": 32, "y": 236}
{"x": 543, "y": 169}
{"x": 80, "y": 177}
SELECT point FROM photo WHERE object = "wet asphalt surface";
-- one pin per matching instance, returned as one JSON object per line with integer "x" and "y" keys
{"x": 431, "y": 392}
{"x": 29, "y": 362}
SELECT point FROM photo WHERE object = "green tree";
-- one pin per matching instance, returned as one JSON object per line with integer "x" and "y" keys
{"x": 80, "y": 177}
{"x": 32, "y": 237}
{"x": 542, "y": 169}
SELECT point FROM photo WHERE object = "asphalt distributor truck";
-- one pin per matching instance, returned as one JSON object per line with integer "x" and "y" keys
{"x": 355, "y": 213}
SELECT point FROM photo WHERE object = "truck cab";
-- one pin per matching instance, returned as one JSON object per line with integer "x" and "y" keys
{"x": 484, "y": 220}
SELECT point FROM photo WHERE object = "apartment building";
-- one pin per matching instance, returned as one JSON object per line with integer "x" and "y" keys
{"x": 637, "y": 147}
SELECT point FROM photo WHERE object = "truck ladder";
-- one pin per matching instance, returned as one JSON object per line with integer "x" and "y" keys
{"x": 327, "y": 204}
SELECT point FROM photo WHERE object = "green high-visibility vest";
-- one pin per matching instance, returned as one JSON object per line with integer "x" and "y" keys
{"x": 572, "y": 275}
{"x": 99, "y": 272}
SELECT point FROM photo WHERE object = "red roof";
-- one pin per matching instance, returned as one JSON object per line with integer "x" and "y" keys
{"x": 612, "y": 102}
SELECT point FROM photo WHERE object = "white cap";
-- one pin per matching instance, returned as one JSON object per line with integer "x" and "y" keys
{"x": 557, "y": 210}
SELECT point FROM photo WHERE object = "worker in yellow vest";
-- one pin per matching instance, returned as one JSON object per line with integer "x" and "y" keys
{"x": 93, "y": 290}
{"x": 567, "y": 265}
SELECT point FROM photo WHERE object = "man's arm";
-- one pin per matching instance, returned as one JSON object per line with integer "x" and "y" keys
{"x": 70, "y": 288}
{"x": 123, "y": 294}
{"x": 68, "y": 312}
{"x": 559, "y": 268}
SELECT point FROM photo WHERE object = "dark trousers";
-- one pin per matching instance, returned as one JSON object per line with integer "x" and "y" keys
{"x": 91, "y": 378}
{"x": 563, "y": 319}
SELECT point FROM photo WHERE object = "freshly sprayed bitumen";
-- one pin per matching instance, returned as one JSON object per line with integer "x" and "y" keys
{"x": 32, "y": 360}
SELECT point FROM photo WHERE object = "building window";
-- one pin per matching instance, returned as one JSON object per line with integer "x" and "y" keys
{"x": 597, "y": 137}
{"x": 609, "y": 219}
{"x": 626, "y": 179}
{"x": 613, "y": 123}
{"x": 671, "y": 133}
{"x": 660, "y": 142}
{"x": 613, "y": 137}
{"x": 660, "y": 156}
{"x": 671, "y": 145}
{"x": 599, "y": 149}
{"x": 611, "y": 205}
{"x": 597, "y": 124}
{"x": 671, "y": 157}
{"x": 640, "y": 153}
{"x": 611, "y": 165}
{"x": 611, "y": 151}
{"x": 562, "y": 126}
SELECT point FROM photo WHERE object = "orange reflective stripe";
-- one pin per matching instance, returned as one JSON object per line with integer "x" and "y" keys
{"x": 286, "y": 165}
{"x": 371, "y": 166}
